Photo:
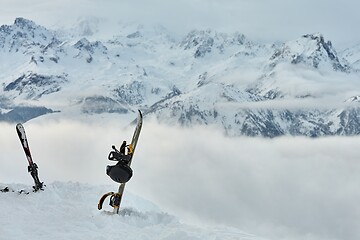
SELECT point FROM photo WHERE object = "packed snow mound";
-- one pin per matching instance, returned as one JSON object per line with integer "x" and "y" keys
{"x": 69, "y": 211}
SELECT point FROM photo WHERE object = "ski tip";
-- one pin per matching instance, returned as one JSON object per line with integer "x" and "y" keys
{"x": 18, "y": 126}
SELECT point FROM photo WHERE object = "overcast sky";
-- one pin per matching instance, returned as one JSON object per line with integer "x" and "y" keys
{"x": 263, "y": 20}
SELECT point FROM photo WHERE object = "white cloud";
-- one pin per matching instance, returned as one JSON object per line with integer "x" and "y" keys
{"x": 289, "y": 187}
{"x": 281, "y": 188}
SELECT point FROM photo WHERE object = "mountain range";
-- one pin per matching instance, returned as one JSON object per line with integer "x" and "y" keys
{"x": 303, "y": 87}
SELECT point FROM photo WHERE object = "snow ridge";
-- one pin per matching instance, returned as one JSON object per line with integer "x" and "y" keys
{"x": 73, "y": 213}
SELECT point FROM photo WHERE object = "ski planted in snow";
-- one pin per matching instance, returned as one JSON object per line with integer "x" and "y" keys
{"x": 121, "y": 172}
{"x": 32, "y": 168}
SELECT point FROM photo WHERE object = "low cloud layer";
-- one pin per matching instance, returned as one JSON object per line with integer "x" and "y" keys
{"x": 296, "y": 188}
{"x": 284, "y": 188}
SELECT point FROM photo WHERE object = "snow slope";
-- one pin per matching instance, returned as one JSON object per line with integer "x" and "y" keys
{"x": 67, "y": 210}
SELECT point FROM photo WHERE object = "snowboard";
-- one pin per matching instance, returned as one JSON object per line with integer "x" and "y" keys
{"x": 32, "y": 168}
{"x": 116, "y": 197}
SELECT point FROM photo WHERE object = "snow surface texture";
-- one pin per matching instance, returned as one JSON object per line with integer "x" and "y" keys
{"x": 301, "y": 87}
{"x": 68, "y": 211}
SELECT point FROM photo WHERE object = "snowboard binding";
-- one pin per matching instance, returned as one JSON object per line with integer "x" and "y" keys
{"x": 116, "y": 155}
{"x": 32, "y": 169}
{"x": 115, "y": 199}
{"x": 121, "y": 171}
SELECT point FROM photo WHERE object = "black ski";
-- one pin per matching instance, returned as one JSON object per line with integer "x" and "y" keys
{"x": 115, "y": 199}
{"x": 32, "y": 168}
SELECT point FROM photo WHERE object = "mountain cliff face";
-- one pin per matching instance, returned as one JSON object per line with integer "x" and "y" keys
{"x": 25, "y": 36}
{"x": 311, "y": 50}
{"x": 301, "y": 87}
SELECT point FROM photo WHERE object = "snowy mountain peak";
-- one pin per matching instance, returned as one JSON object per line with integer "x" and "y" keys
{"x": 354, "y": 99}
{"x": 322, "y": 45}
{"x": 82, "y": 43}
{"x": 311, "y": 50}
{"x": 90, "y": 46}
{"x": 25, "y": 24}
{"x": 204, "y": 41}
{"x": 25, "y": 35}
{"x": 315, "y": 36}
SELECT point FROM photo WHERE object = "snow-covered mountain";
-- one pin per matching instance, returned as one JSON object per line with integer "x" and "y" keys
{"x": 301, "y": 87}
